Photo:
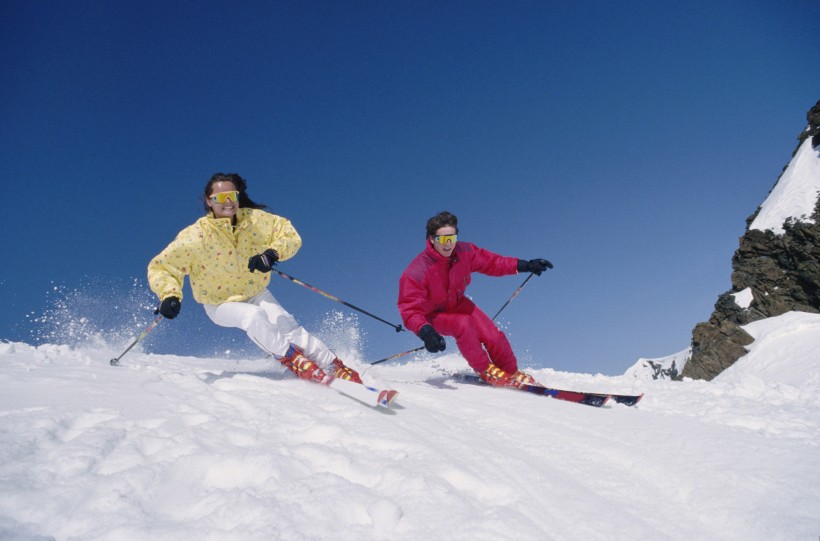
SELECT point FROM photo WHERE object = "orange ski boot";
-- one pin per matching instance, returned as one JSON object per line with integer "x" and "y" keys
{"x": 495, "y": 376}
{"x": 338, "y": 370}
{"x": 303, "y": 367}
{"x": 520, "y": 379}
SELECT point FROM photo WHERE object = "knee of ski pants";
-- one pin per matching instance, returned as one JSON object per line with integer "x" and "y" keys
{"x": 279, "y": 318}
{"x": 468, "y": 341}
{"x": 264, "y": 333}
{"x": 479, "y": 340}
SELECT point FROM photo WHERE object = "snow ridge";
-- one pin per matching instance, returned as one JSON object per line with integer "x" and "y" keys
{"x": 795, "y": 194}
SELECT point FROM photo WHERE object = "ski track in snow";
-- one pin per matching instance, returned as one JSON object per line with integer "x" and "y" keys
{"x": 176, "y": 448}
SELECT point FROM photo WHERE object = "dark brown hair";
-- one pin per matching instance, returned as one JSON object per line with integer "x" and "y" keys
{"x": 442, "y": 219}
{"x": 241, "y": 186}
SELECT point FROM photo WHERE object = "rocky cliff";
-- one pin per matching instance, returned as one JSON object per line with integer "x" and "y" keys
{"x": 774, "y": 271}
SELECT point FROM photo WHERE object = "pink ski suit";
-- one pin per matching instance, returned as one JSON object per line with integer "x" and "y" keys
{"x": 431, "y": 291}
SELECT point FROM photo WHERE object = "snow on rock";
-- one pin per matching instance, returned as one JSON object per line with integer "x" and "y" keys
{"x": 744, "y": 298}
{"x": 668, "y": 367}
{"x": 795, "y": 194}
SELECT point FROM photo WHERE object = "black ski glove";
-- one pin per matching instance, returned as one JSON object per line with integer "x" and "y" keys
{"x": 536, "y": 266}
{"x": 263, "y": 262}
{"x": 433, "y": 341}
{"x": 169, "y": 307}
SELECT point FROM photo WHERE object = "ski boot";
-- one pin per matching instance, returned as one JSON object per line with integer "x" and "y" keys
{"x": 339, "y": 370}
{"x": 520, "y": 379}
{"x": 496, "y": 377}
{"x": 499, "y": 378}
{"x": 303, "y": 367}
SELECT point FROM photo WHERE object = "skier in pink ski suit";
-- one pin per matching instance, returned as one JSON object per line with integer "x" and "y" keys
{"x": 432, "y": 301}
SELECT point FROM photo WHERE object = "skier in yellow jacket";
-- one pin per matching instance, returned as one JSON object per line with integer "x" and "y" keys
{"x": 228, "y": 255}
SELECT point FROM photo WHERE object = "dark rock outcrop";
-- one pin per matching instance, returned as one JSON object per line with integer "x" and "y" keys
{"x": 813, "y": 130}
{"x": 783, "y": 274}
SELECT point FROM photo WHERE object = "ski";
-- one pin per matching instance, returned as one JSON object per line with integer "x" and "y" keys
{"x": 382, "y": 398}
{"x": 627, "y": 399}
{"x": 590, "y": 399}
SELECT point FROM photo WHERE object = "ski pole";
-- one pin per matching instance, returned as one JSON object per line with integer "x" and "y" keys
{"x": 397, "y": 355}
{"x": 331, "y": 297}
{"x": 514, "y": 295}
{"x": 116, "y": 361}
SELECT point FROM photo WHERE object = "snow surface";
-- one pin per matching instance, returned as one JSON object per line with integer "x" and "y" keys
{"x": 797, "y": 360}
{"x": 182, "y": 448}
{"x": 795, "y": 194}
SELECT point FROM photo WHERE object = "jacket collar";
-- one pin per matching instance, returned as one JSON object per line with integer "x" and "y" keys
{"x": 241, "y": 216}
{"x": 437, "y": 257}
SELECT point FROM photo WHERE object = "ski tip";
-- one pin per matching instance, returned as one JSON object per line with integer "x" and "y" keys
{"x": 387, "y": 397}
{"x": 629, "y": 400}
{"x": 391, "y": 396}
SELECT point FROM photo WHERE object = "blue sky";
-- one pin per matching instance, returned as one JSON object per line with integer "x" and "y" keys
{"x": 627, "y": 142}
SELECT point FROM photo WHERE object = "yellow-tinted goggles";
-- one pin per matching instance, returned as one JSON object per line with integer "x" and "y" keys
{"x": 222, "y": 197}
{"x": 444, "y": 239}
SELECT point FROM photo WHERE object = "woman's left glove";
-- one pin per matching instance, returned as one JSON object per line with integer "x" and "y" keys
{"x": 263, "y": 262}
{"x": 536, "y": 266}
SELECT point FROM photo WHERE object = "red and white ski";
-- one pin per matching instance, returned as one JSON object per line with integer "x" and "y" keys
{"x": 371, "y": 396}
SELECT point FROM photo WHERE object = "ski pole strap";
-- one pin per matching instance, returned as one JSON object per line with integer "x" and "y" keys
{"x": 327, "y": 295}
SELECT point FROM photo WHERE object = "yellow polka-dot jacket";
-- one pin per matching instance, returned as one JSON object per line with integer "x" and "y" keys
{"x": 214, "y": 254}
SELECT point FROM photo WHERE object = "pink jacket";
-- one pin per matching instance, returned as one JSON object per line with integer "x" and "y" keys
{"x": 434, "y": 283}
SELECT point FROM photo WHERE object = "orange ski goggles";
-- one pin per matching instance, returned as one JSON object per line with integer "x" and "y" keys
{"x": 444, "y": 239}
{"x": 223, "y": 197}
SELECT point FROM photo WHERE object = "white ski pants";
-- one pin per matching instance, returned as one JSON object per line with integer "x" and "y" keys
{"x": 270, "y": 327}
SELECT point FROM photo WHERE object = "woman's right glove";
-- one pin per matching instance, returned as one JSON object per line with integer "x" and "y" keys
{"x": 263, "y": 262}
{"x": 433, "y": 341}
{"x": 169, "y": 307}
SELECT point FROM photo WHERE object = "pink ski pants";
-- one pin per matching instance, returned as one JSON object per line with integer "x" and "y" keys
{"x": 477, "y": 337}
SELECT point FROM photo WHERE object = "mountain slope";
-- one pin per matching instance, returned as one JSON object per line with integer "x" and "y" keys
{"x": 168, "y": 447}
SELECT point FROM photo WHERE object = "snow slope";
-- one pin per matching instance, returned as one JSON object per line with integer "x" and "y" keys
{"x": 183, "y": 448}
{"x": 795, "y": 194}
